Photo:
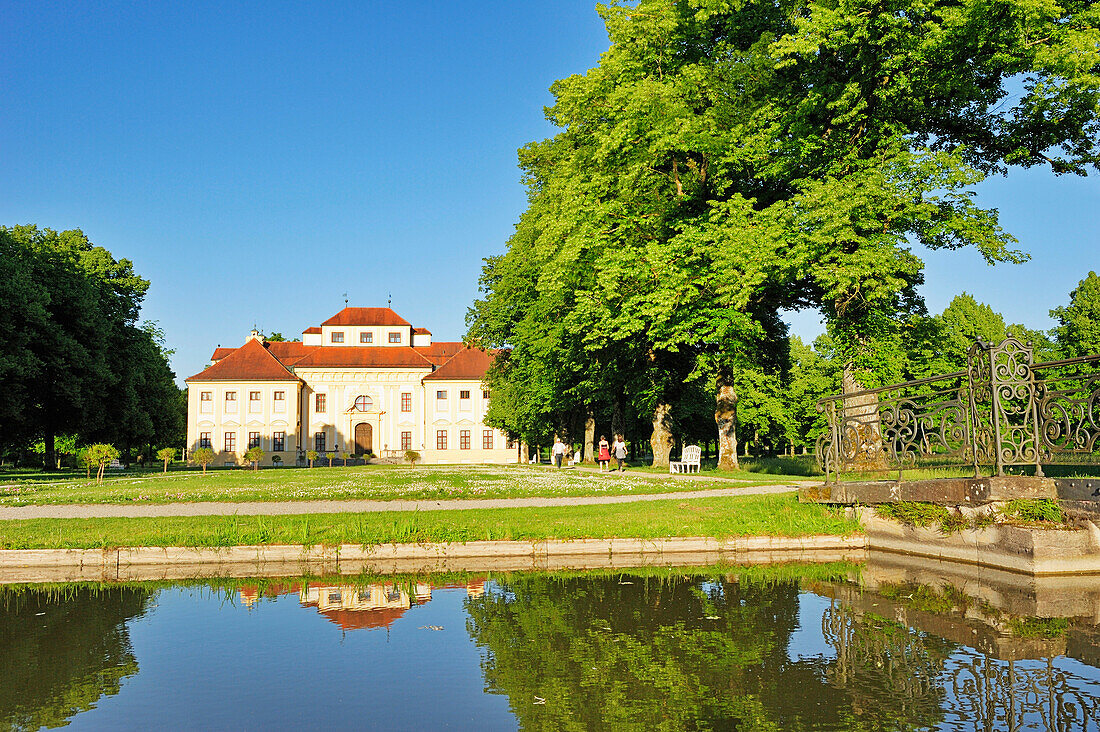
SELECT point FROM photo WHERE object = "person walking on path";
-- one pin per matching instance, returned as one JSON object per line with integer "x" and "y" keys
{"x": 558, "y": 451}
{"x": 605, "y": 454}
{"x": 619, "y": 449}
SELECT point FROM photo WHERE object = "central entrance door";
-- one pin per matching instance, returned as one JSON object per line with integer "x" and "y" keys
{"x": 363, "y": 437}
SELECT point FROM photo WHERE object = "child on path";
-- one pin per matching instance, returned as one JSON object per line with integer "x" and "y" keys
{"x": 605, "y": 454}
{"x": 619, "y": 448}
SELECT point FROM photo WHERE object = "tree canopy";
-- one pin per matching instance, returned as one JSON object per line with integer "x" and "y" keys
{"x": 73, "y": 357}
{"x": 1078, "y": 329}
{"x": 725, "y": 162}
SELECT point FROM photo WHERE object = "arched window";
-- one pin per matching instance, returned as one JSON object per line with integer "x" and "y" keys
{"x": 363, "y": 403}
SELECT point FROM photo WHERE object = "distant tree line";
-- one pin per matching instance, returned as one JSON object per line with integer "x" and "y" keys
{"x": 724, "y": 164}
{"x": 76, "y": 365}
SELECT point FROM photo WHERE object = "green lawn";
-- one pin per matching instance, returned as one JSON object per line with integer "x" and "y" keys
{"x": 377, "y": 482}
{"x": 758, "y": 470}
{"x": 768, "y": 515}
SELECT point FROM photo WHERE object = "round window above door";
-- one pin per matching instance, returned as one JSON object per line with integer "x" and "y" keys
{"x": 363, "y": 404}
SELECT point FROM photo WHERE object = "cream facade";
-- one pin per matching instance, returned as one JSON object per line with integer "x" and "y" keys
{"x": 365, "y": 381}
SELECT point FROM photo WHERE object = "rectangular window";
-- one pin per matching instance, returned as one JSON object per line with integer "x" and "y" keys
{"x": 441, "y": 394}
{"x": 464, "y": 440}
{"x": 206, "y": 402}
{"x": 441, "y": 439}
{"x": 319, "y": 403}
{"x": 204, "y": 439}
{"x": 464, "y": 394}
{"x": 485, "y": 394}
{"x": 406, "y": 401}
{"x": 366, "y": 337}
{"x": 230, "y": 441}
{"x": 231, "y": 402}
{"x": 395, "y": 336}
{"x": 255, "y": 403}
{"x": 486, "y": 439}
{"x": 464, "y": 400}
{"x": 278, "y": 441}
{"x": 337, "y": 336}
{"x": 406, "y": 440}
{"x": 278, "y": 400}
{"x": 253, "y": 440}
{"x": 319, "y": 442}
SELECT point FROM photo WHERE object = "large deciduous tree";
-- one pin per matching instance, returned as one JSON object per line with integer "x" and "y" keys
{"x": 1078, "y": 329}
{"x": 725, "y": 162}
{"x": 73, "y": 358}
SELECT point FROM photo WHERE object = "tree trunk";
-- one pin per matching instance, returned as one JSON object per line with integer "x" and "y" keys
{"x": 590, "y": 439}
{"x": 662, "y": 441}
{"x": 618, "y": 421}
{"x": 50, "y": 458}
{"x": 524, "y": 453}
{"x": 725, "y": 417}
{"x": 860, "y": 446}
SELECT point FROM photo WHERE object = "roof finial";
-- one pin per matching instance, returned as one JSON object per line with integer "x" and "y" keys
{"x": 389, "y": 298}
{"x": 345, "y": 299}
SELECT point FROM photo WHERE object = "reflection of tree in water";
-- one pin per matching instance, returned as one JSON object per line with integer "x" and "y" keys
{"x": 61, "y": 651}
{"x": 672, "y": 653}
{"x": 890, "y": 672}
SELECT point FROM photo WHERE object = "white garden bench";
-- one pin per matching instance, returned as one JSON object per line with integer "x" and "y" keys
{"x": 689, "y": 459}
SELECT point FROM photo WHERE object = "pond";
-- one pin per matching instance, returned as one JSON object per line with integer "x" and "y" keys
{"x": 837, "y": 646}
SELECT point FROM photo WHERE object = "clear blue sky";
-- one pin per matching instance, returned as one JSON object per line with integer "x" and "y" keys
{"x": 257, "y": 162}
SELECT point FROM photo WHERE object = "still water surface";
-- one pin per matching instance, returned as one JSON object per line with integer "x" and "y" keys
{"x": 729, "y": 649}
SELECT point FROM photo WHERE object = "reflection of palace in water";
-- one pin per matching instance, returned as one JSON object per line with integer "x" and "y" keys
{"x": 359, "y": 606}
{"x": 980, "y": 644}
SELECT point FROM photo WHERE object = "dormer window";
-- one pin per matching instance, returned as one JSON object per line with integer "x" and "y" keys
{"x": 395, "y": 336}
{"x": 337, "y": 336}
{"x": 363, "y": 403}
{"x": 366, "y": 337}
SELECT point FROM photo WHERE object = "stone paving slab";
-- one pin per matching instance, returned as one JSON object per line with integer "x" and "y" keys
{"x": 145, "y": 563}
{"x": 282, "y": 508}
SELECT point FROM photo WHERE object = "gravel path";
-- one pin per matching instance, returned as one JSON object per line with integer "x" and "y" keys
{"x": 271, "y": 508}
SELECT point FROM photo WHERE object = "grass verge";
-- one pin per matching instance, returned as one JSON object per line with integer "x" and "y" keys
{"x": 768, "y": 515}
{"x": 374, "y": 482}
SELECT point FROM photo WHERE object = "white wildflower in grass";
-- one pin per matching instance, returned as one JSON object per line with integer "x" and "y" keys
{"x": 340, "y": 483}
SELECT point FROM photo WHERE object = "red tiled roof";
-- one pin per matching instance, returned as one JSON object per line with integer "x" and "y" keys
{"x": 363, "y": 357}
{"x": 366, "y": 316}
{"x": 311, "y": 329}
{"x": 421, "y": 331}
{"x": 289, "y": 352}
{"x": 441, "y": 352}
{"x": 250, "y": 362}
{"x": 469, "y": 363}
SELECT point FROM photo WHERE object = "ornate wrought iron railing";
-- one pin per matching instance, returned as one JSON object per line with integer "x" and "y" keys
{"x": 1002, "y": 410}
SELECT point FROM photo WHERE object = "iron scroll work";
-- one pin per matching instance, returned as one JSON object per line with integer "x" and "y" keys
{"x": 1003, "y": 410}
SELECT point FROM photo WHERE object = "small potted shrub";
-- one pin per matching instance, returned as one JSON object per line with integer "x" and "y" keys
{"x": 411, "y": 456}
{"x": 311, "y": 455}
{"x": 276, "y": 461}
{"x": 168, "y": 454}
{"x": 254, "y": 455}
{"x": 203, "y": 456}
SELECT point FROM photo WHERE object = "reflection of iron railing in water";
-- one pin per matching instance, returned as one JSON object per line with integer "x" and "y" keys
{"x": 1002, "y": 410}
{"x": 903, "y": 665}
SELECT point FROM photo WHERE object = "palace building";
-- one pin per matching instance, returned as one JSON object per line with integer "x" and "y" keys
{"x": 365, "y": 380}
